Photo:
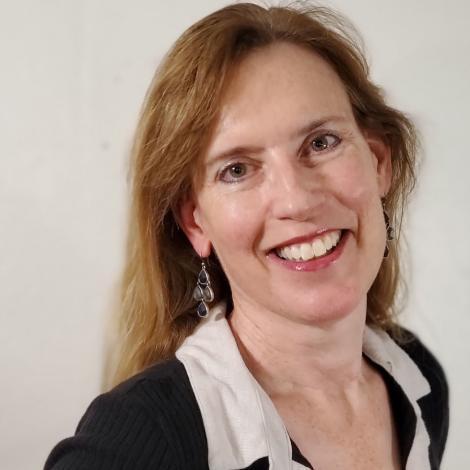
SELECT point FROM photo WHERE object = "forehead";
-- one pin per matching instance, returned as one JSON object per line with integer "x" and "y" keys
{"x": 277, "y": 88}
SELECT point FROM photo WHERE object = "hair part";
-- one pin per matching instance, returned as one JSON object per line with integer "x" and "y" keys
{"x": 156, "y": 311}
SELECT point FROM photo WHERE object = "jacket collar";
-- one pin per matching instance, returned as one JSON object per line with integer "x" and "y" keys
{"x": 240, "y": 420}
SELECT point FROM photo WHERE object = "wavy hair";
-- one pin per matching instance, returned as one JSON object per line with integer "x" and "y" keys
{"x": 156, "y": 311}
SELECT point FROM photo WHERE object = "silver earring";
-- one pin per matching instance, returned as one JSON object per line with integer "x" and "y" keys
{"x": 388, "y": 228}
{"x": 203, "y": 292}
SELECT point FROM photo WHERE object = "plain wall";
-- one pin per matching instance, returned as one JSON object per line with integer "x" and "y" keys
{"x": 73, "y": 76}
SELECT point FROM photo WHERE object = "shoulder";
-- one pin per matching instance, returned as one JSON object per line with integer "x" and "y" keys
{"x": 435, "y": 405}
{"x": 150, "y": 420}
{"x": 164, "y": 381}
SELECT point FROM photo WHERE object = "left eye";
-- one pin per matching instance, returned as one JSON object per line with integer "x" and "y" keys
{"x": 323, "y": 142}
{"x": 233, "y": 172}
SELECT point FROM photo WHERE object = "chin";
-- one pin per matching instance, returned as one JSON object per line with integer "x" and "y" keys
{"x": 329, "y": 308}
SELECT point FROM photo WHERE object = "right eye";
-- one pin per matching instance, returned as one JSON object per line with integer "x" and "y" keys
{"x": 233, "y": 172}
{"x": 324, "y": 142}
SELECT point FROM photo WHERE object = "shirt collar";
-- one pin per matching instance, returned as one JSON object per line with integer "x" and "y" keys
{"x": 381, "y": 349}
{"x": 240, "y": 420}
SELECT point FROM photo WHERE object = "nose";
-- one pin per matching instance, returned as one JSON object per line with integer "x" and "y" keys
{"x": 295, "y": 192}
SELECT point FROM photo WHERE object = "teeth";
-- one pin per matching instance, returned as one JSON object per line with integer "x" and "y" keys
{"x": 335, "y": 236}
{"x": 328, "y": 242}
{"x": 294, "y": 252}
{"x": 306, "y": 251}
{"x": 319, "y": 248}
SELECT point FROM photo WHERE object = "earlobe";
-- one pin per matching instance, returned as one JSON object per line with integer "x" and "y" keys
{"x": 382, "y": 154}
{"x": 190, "y": 222}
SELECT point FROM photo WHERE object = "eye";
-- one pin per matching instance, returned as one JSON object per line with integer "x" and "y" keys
{"x": 323, "y": 142}
{"x": 233, "y": 172}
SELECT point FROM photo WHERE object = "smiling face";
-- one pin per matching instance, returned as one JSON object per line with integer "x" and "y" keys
{"x": 290, "y": 198}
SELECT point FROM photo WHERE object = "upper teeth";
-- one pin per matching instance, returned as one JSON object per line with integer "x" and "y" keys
{"x": 314, "y": 249}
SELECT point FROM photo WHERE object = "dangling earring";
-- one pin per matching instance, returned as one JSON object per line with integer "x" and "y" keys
{"x": 389, "y": 229}
{"x": 203, "y": 292}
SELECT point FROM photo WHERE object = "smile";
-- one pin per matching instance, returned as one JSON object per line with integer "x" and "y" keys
{"x": 319, "y": 247}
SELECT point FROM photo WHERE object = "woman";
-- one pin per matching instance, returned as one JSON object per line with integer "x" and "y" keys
{"x": 262, "y": 274}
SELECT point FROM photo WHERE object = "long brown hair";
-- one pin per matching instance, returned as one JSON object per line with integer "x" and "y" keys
{"x": 156, "y": 310}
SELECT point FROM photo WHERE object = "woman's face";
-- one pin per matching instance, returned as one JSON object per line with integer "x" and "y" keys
{"x": 287, "y": 167}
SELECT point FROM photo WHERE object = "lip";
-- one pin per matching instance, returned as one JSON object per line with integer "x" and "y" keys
{"x": 304, "y": 238}
{"x": 314, "y": 264}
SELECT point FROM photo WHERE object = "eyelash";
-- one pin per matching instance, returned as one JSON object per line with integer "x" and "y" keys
{"x": 227, "y": 167}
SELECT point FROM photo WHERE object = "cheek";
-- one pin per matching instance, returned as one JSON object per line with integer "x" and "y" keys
{"x": 354, "y": 181}
{"x": 234, "y": 224}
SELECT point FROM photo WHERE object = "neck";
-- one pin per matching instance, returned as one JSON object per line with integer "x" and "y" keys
{"x": 287, "y": 357}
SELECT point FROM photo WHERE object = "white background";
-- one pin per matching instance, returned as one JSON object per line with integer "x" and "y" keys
{"x": 72, "y": 79}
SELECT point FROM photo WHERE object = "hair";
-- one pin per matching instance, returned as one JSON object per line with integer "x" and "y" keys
{"x": 156, "y": 311}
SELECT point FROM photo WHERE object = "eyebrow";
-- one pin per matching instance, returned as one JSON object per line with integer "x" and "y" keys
{"x": 239, "y": 149}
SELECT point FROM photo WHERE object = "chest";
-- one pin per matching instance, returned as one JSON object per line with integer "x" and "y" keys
{"x": 359, "y": 452}
{"x": 329, "y": 440}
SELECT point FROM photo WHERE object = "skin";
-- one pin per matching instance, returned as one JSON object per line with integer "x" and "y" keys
{"x": 300, "y": 333}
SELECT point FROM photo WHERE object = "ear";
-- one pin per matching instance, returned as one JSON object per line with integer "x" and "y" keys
{"x": 189, "y": 219}
{"x": 382, "y": 156}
